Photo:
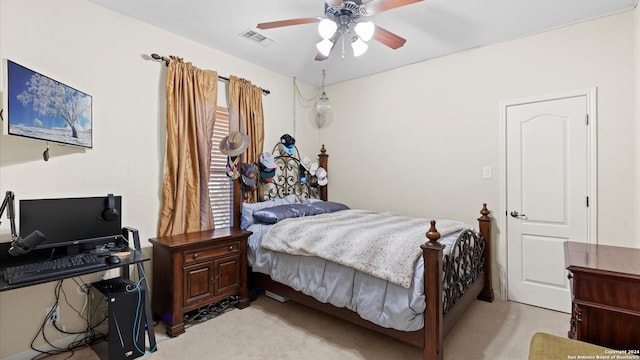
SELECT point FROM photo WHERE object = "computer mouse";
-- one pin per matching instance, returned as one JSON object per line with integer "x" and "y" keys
{"x": 112, "y": 259}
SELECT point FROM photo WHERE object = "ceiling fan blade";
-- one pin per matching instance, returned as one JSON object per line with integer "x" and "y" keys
{"x": 320, "y": 57}
{"x": 388, "y": 38}
{"x": 378, "y": 6}
{"x": 334, "y": 40}
{"x": 334, "y": 2}
{"x": 290, "y": 22}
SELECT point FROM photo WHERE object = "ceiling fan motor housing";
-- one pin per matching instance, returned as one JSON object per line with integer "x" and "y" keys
{"x": 348, "y": 11}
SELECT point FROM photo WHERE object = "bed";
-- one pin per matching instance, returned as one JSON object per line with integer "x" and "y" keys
{"x": 454, "y": 263}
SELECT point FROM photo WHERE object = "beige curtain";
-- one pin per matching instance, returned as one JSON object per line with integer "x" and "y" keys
{"x": 245, "y": 102}
{"x": 192, "y": 95}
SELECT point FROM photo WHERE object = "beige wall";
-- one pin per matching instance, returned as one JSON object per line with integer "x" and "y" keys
{"x": 103, "y": 54}
{"x": 418, "y": 136}
{"x": 415, "y": 141}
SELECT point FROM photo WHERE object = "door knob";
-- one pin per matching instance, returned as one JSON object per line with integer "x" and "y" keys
{"x": 515, "y": 214}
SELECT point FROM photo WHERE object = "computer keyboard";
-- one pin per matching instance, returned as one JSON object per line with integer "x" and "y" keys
{"x": 50, "y": 268}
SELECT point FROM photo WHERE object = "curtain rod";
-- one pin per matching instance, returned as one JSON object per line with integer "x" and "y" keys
{"x": 167, "y": 60}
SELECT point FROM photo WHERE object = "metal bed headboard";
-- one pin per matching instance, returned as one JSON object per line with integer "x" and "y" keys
{"x": 285, "y": 182}
{"x": 292, "y": 177}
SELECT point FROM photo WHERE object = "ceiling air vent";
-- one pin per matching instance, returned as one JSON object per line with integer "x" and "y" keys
{"x": 257, "y": 37}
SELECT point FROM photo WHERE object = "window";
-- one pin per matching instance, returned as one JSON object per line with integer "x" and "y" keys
{"x": 220, "y": 185}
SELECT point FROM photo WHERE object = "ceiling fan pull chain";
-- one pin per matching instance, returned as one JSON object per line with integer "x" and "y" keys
{"x": 343, "y": 46}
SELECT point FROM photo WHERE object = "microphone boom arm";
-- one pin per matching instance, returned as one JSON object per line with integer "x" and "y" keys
{"x": 8, "y": 202}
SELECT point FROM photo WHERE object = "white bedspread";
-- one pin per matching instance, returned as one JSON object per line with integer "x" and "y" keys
{"x": 384, "y": 245}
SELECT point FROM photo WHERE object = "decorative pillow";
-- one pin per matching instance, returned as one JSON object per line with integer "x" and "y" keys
{"x": 274, "y": 214}
{"x": 249, "y": 208}
{"x": 324, "y": 207}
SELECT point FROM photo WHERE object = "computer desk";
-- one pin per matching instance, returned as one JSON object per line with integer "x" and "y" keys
{"x": 136, "y": 258}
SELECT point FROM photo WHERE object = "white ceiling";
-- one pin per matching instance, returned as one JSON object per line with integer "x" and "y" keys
{"x": 432, "y": 28}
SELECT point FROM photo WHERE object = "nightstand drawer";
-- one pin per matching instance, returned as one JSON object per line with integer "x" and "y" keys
{"x": 208, "y": 253}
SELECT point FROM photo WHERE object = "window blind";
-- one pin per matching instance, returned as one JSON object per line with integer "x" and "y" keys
{"x": 220, "y": 185}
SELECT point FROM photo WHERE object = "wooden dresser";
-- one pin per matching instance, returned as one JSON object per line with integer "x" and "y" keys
{"x": 197, "y": 269}
{"x": 605, "y": 287}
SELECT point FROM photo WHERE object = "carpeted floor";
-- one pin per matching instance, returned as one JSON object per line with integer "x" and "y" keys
{"x": 272, "y": 330}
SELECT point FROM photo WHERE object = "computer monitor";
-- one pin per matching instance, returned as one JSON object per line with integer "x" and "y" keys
{"x": 72, "y": 221}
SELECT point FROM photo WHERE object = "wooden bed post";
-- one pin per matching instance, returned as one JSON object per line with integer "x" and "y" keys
{"x": 237, "y": 204}
{"x": 433, "y": 320}
{"x": 484, "y": 225}
{"x": 323, "y": 162}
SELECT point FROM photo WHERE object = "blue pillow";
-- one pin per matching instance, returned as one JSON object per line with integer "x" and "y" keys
{"x": 249, "y": 208}
{"x": 324, "y": 207}
{"x": 276, "y": 213}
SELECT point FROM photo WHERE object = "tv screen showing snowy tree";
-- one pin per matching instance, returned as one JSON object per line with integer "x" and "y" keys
{"x": 42, "y": 108}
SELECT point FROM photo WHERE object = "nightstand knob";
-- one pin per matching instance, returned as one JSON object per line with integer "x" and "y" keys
{"x": 195, "y": 256}
{"x": 230, "y": 247}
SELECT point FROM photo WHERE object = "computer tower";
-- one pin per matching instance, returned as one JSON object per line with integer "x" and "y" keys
{"x": 116, "y": 309}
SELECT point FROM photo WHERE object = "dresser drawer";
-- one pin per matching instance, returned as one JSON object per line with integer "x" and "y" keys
{"x": 211, "y": 252}
{"x": 612, "y": 291}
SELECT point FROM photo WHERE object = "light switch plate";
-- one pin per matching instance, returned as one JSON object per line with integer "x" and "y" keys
{"x": 486, "y": 172}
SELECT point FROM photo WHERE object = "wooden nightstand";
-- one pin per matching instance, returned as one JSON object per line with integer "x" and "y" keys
{"x": 197, "y": 269}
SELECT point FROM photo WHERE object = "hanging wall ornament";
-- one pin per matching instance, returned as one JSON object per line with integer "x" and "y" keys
{"x": 232, "y": 167}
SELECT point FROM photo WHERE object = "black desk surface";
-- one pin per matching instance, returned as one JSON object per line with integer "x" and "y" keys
{"x": 6, "y": 260}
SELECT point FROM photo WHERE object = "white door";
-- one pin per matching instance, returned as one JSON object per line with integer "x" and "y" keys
{"x": 547, "y": 195}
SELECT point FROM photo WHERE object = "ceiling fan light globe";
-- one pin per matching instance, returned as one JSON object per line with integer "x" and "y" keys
{"x": 326, "y": 28}
{"x": 324, "y": 47}
{"x": 359, "y": 47}
{"x": 365, "y": 30}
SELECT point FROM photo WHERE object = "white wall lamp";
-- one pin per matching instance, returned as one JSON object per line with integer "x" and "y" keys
{"x": 320, "y": 115}
{"x": 323, "y": 106}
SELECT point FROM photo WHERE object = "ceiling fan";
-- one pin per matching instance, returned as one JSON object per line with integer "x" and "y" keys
{"x": 342, "y": 20}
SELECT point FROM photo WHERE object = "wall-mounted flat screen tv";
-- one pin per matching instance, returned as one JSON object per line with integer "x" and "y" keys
{"x": 40, "y": 107}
